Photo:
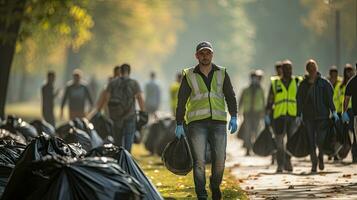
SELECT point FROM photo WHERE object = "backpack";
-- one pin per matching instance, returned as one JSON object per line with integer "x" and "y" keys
{"x": 121, "y": 100}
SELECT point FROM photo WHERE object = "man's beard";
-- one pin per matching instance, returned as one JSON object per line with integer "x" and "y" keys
{"x": 205, "y": 62}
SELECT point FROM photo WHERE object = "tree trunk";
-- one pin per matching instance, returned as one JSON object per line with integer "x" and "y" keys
{"x": 73, "y": 62}
{"x": 7, "y": 48}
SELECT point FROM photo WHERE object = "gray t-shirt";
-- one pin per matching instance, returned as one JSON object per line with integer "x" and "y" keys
{"x": 115, "y": 92}
{"x": 77, "y": 96}
{"x": 152, "y": 96}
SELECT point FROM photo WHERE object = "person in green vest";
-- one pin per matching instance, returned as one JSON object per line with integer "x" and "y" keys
{"x": 348, "y": 73}
{"x": 281, "y": 105}
{"x": 174, "y": 88}
{"x": 252, "y": 105}
{"x": 335, "y": 81}
{"x": 204, "y": 91}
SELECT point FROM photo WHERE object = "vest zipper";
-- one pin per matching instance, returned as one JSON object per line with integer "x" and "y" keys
{"x": 210, "y": 106}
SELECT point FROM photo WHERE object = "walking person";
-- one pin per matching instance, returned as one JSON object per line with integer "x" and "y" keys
{"x": 315, "y": 104}
{"x": 252, "y": 105}
{"x": 350, "y": 106}
{"x": 49, "y": 93}
{"x": 152, "y": 96}
{"x": 77, "y": 94}
{"x": 204, "y": 91}
{"x": 281, "y": 105}
{"x": 121, "y": 95}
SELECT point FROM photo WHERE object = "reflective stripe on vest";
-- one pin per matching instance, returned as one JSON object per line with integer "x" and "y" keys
{"x": 336, "y": 97}
{"x": 285, "y": 99}
{"x": 202, "y": 103}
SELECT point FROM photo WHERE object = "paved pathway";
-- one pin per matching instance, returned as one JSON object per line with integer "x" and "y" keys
{"x": 258, "y": 178}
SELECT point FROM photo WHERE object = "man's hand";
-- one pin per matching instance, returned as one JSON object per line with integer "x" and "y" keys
{"x": 233, "y": 126}
{"x": 267, "y": 120}
{"x": 179, "y": 132}
{"x": 345, "y": 117}
{"x": 61, "y": 114}
{"x": 335, "y": 116}
{"x": 298, "y": 120}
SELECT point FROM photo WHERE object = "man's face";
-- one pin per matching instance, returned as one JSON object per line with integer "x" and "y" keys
{"x": 76, "y": 78}
{"x": 287, "y": 71}
{"x": 350, "y": 73}
{"x": 279, "y": 71}
{"x": 333, "y": 75}
{"x": 51, "y": 78}
{"x": 312, "y": 70}
{"x": 204, "y": 57}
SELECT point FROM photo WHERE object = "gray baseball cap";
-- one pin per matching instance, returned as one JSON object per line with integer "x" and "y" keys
{"x": 204, "y": 45}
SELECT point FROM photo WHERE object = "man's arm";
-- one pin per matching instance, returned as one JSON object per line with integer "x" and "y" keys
{"x": 329, "y": 93}
{"x": 88, "y": 96}
{"x": 348, "y": 94}
{"x": 183, "y": 95}
{"x": 139, "y": 97}
{"x": 64, "y": 99}
{"x": 230, "y": 96}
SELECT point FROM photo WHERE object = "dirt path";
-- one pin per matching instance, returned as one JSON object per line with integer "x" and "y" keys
{"x": 258, "y": 178}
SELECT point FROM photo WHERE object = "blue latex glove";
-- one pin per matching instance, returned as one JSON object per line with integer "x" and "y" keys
{"x": 179, "y": 132}
{"x": 267, "y": 120}
{"x": 298, "y": 120}
{"x": 345, "y": 117}
{"x": 233, "y": 126}
{"x": 335, "y": 116}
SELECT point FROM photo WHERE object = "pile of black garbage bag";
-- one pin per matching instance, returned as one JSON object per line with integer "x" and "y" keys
{"x": 41, "y": 165}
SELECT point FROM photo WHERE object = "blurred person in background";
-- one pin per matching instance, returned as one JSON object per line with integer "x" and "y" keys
{"x": 152, "y": 96}
{"x": 281, "y": 105}
{"x": 49, "y": 94}
{"x": 77, "y": 94}
{"x": 252, "y": 105}
{"x": 315, "y": 104}
{"x": 174, "y": 88}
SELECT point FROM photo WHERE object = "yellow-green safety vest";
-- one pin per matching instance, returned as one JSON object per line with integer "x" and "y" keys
{"x": 203, "y": 104}
{"x": 247, "y": 100}
{"x": 336, "y": 97}
{"x": 173, "y": 95}
{"x": 285, "y": 98}
{"x": 342, "y": 92}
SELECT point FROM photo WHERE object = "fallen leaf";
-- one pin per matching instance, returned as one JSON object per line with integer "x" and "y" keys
{"x": 291, "y": 187}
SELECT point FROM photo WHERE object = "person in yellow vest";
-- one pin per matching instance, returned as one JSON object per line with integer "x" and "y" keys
{"x": 252, "y": 105}
{"x": 204, "y": 91}
{"x": 335, "y": 81}
{"x": 348, "y": 73}
{"x": 314, "y": 107}
{"x": 174, "y": 88}
{"x": 282, "y": 97}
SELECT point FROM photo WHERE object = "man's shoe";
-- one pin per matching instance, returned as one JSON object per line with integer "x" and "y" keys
{"x": 314, "y": 169}
{"x": 247, "y": 153}
{"x": 288, "y": 167}
{"x": 321, "y": 163}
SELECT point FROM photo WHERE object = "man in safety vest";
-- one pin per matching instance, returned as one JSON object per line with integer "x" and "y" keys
{"x": 335, "y": 81}
{"x": 174, "y": 88}
{"x": 251, "y": 104}
{"x": 282, "y": 106}
{"x": 204, "y": 91}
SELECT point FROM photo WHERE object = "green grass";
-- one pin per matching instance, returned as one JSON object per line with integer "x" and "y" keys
{"x": 170, "y": 185}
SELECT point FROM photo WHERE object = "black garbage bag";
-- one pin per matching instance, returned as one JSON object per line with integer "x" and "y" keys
{"x": 57, "y": 177}
{"x": 265, "y": 144}
{"x": 344, "y": 139}
{"x": 76, "y": 135}
{"x": 6, "y": 135}
{"x": 142, "y": 119}
{"x": 165, "y": 134}
{"x": 128, "y": 164}
{"x": 18, "y": 126}
{"x": 84, "y": 125}
{"x": 103, "y": 125}
{"x": 331, "y": 146}
{"x": 177, "y": 156}
{"x": 151, "y": 137}
{"x": 298, "y": 143}
{"x": 22, "y": 179}
{"x": 42, "y": 126}
{"x": 242, "y": 132}
{"x": 107, "y": 150}
{"x": 10, "y": 152}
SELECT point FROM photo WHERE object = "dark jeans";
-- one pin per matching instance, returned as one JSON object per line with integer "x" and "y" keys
{"x": 283, "y": 126}
{"x": 199, "y": 134}
{"x": 316, "y": 132}
{"x": 124, "y": 132}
